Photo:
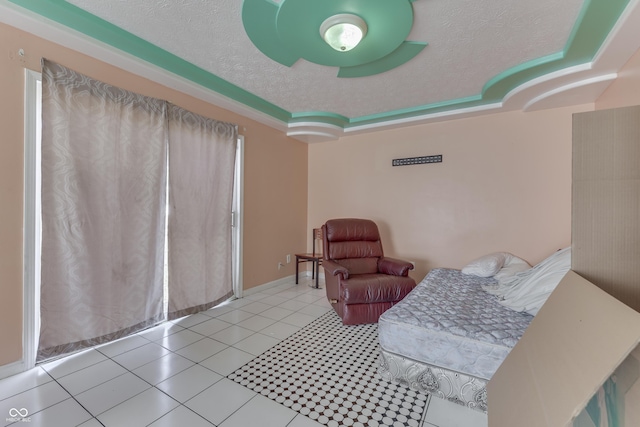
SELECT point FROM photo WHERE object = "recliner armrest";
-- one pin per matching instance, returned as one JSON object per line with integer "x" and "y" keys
{"x": 393, "y": 266}
{"x": 334, "y": 269}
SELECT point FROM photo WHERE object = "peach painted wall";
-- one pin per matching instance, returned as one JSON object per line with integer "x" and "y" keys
{"x": 504, "y": 185}
{"x": 11, "y": 199}
{"x": 625, "y": 90}
{"x": 275, "y": 176}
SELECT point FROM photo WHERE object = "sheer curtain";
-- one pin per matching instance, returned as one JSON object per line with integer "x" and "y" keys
{"x": 103, "y": 203}
{"x": 201, "y": 167}
{"x": 104, "y": 176}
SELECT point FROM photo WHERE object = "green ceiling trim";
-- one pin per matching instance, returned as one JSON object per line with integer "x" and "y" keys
{"x": 345, "y": 122}
{"x": 408, "y": 113}
{"x": 262, "y": 16}
{"x": 496, "y": 88}
{"x": 596, "y": 20}
{"x": 404, "y": 53}
{"x": 320, "y": 117}
{"x": 99, "y": 29}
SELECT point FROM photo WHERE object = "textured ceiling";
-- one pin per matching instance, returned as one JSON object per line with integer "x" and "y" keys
{"x": 472, "y": 46}
{"x": 469, "y": 43}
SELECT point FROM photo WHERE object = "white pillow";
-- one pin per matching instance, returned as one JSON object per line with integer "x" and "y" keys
{"x": 485, "y": 266}
{"x": 528, "y": 290}
{"x": 512, "y": 265}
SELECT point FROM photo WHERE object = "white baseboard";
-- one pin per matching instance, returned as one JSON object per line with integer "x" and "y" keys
{"x": 20, "y": 366}
{"x": 281, "y": 281}
{"x": 269, "y": 285}
{"x": 12, "y": 369}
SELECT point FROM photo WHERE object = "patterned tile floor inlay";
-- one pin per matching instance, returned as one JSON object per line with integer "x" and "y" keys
{"x": 327, "y": 371}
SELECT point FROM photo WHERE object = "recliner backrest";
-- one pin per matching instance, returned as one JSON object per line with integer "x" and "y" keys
{"x": 353, "y": 243}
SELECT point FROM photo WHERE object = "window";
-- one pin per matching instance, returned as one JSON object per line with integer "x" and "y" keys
{"x": 32, "y": 219}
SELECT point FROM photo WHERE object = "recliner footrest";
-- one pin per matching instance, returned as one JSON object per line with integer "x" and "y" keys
{"x": 373, "y": 288}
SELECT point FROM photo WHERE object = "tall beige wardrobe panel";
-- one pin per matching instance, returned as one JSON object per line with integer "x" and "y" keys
{"x": 606, "y": 201}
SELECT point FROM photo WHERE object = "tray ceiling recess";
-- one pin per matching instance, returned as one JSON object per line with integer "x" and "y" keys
{"x": 418, "y": 61}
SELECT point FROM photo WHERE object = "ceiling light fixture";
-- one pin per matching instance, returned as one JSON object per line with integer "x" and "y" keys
{"x": 290, "y": 30}
{"x": 344, "y": 31}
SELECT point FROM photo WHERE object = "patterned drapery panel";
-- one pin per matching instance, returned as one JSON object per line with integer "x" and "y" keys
{"x": 103, "y": 211}
{"x": 201, "y": 164}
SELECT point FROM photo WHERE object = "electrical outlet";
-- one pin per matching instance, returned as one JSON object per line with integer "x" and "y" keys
{"x": 288, "y": 259}
{"x": 280, "y": 265}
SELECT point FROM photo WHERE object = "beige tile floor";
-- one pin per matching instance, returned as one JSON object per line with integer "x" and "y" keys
{"x": 174, "y": 374}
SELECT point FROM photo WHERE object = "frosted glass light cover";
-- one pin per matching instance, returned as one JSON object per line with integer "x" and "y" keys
{"x": 343, "y": 32}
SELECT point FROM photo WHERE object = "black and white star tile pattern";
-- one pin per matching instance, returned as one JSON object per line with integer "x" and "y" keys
{"x": 327, "y": 371}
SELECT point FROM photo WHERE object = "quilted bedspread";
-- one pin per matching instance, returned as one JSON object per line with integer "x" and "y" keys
{"x": 449, "y": 321}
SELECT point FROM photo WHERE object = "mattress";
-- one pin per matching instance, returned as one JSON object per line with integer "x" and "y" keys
{"x": 449, "y": 321}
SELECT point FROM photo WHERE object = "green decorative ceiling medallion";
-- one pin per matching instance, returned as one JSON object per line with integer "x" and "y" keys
{"x": 290, "y": 30}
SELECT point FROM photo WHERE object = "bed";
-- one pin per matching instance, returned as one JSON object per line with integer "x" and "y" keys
{"x": 452, "y": 332}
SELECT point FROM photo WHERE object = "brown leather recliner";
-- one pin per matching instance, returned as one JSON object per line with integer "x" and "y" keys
{"x": 361, "y": 282}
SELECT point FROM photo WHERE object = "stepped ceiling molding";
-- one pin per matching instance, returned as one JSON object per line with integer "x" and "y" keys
{"x": 420, "y": 61}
